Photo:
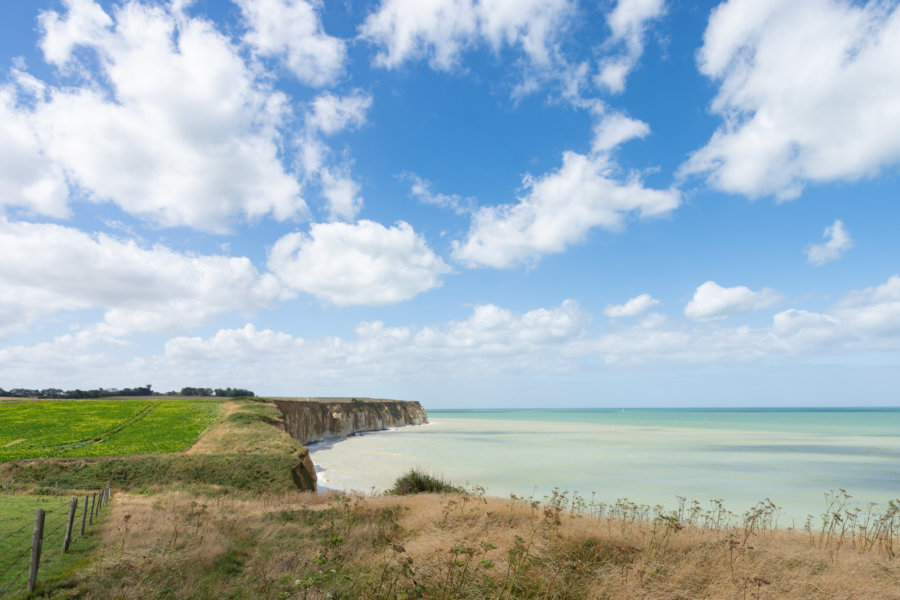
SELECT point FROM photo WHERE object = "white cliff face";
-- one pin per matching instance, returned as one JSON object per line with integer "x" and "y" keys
{"x": 309, "y": 422}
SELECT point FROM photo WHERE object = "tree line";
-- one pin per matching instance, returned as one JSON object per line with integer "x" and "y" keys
{"x": 146, "y": 390}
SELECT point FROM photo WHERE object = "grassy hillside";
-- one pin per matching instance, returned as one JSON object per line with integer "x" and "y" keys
{"x": 88, "y": 428}
{"x": 242, "y": 449}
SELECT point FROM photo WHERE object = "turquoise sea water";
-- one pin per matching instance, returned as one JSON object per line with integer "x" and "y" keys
{"x": 792, "y": 456}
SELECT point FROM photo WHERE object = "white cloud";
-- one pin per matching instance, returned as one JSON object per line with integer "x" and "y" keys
{"x": 661, "y": 342}
{"x": 27, "y": 178}
{"x": 495, "y": 329}
{"x": 66, "y": 358}
{"x": 441, "y": 29}
{"x": 807, "y": 93}
{"x": 491, "y": 341}
{"x": 245, "y": 344}
{"x": 634, "y": 307}
{"x": 837, "y": 241}
{"x": 328, "y": 114}
{"x": 292, "y": 31}
{"x": 799, "y": 329}
{"x": 494, "y": 340}
{"x": 331, "y": 114}
{"x": 184, "y": 134}
{"x": 49, "y": 268}
{"x": 614, "y": 129}
{"x": 85, "y": 24}
{"x": 628, "y": 23}
{"x": 342, "y": 194}
{"x": 420, "y": 189}
{"x": 559, "y": 209}
{"x": 712, "y": 301}
{"x": 361, "y": 263}
{"x": 874, "y": 311}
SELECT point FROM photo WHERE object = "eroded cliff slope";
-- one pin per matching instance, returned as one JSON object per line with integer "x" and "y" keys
{"x": 309, "y": 421}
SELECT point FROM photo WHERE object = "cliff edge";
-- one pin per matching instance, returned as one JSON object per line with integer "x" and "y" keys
{"x": 309, "y": 421}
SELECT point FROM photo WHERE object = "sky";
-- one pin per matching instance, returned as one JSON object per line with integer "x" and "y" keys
{"x": 470, "y": 203}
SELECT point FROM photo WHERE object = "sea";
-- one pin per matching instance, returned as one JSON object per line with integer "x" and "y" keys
{"x": 795, "y": 458}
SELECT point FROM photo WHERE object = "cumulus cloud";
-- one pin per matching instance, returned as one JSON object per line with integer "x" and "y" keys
{"x": 173, "y": 127}
{"x": 69, "y": 358}
{"x": 331, "y": 114}
{"x": 614, "y": 129}
{"x": 292, "y": 31}
{"x": 489, "y": 332}
{"x": 628, "y": 22}
{"x": 494, "y": 340}
{"x": 27, "y": 178}
{"x": 712, "y": 301}
{"x": 51, "y": 268}
{"x": 85, "y": 24}
{"x": 361, "y": 263}
{"x": 245, "y": 344}
{"x": 440, "y": 30}
{"x": 491, "y": 340}
{"x": 634, "y": 307}
{"x": 559, "y": 209}
{"x": 341, "y": 193}
{"x": 837, "y": 241}
{"x": 807, "y": 93}
{"x": 803, "y": 329}
{"x": 874, "y": 311}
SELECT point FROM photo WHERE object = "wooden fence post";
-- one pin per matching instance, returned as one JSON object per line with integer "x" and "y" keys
{"x": 93, "y": 501}
{"x": 84, "y": 514}
{"x": 36, "y": 540}
{"x": 73, "y": 504}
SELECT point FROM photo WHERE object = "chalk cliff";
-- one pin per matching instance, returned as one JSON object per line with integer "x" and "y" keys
{"x": 304, "y": 474}
{"x": 313, "y": 421}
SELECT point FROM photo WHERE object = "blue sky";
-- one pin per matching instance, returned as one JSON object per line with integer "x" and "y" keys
{"x": 464, "y": 202}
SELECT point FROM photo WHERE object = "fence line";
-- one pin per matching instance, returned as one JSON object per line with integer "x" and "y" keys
{"x": 50, "y": 539}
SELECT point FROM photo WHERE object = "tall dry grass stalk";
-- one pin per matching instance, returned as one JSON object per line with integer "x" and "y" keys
{"x": 181, "y": 545}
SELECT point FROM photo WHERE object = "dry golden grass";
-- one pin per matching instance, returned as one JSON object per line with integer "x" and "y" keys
{"x": 296, "y": 545}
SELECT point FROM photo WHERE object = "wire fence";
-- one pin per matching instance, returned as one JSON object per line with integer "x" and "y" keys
{"x": 42, "y": 543}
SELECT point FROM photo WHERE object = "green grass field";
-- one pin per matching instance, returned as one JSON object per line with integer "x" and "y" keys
{"x": 16, "y": 526}
{"x": 89, "y": 428}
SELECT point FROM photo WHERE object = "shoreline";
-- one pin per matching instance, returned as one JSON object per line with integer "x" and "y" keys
{"x": 795, "y": 469}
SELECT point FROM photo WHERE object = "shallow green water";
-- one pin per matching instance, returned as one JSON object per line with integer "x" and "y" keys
{"x": 793, "y": 456}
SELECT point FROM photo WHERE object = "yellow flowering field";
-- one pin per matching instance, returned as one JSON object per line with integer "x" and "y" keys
{"x": 85, "y": 428}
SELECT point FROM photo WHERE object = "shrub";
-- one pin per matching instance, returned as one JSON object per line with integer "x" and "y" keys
{"x": 417, "y": 482}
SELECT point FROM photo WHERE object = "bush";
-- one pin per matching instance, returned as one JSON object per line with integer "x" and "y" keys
{"x": 416, "y": 482}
